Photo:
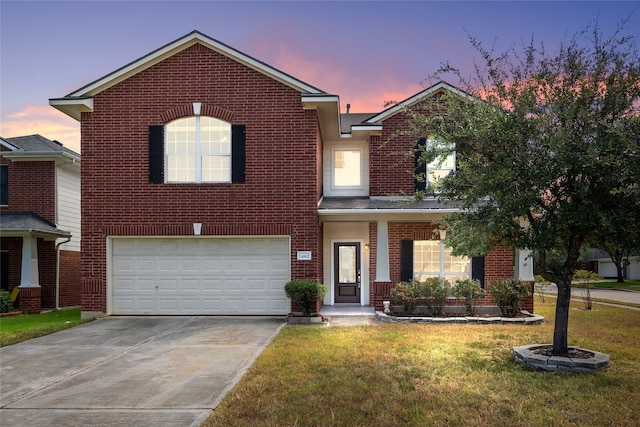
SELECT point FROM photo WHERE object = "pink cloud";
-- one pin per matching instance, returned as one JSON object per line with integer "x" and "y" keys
{"x": 353, "y": 86}
{"x": 43, "y": 120}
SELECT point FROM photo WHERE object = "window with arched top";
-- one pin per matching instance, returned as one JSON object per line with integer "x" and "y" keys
{"x": 197, "y": 150}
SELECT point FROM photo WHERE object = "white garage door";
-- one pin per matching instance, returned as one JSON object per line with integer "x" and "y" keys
{"x": 161, "y": 276}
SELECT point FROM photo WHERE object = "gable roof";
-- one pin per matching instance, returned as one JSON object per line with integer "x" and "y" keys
{"x": 36, "y": 147}
{"x": 391, "y": 111}
{"x": 81, "y": 100}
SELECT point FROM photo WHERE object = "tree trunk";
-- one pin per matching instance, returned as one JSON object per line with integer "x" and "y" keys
{"x": 620, "y": 269}
{"x": 618, "y": 260}
{"x": 560, "y": 336}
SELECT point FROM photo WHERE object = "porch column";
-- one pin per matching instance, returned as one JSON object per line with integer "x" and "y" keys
{"x": 30, "y": 292}
{"x": 29, "y": 274}
{"x": 382, "y": 252}
{"x": 524, "y": 265}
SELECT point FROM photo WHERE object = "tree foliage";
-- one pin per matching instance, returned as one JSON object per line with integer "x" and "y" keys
{"x": 548, "y": 149}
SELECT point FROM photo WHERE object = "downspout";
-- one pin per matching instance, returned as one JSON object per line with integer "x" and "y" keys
{"x": 58, "y": 271}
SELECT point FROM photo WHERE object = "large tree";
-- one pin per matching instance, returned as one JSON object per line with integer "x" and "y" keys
{"x": 548, "y": 148}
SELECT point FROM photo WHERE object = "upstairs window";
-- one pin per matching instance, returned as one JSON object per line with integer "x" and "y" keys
{"x": 198, "y": 150}
{"x": 4, "y": 185}
{"x": 438, "y": 169}
{"x": 427, "y": 176}
{"x": 347, "y": 169}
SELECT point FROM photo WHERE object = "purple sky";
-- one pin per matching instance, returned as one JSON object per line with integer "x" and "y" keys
{"x": 365, "y": 52}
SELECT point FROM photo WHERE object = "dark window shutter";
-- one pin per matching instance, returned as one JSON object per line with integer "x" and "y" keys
{"x": 238, "y": 153}
{"x": 4, "y": 185}
{"x": 406, "y": 260}
{"x": 419, "y": 169}
{"x": 156, "y": 153}
{"x": 477, "y": 269}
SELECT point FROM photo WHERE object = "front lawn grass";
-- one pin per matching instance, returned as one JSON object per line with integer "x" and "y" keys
{"x": 627, "y": 284}
{"x": 15, "y": 329}
{"x": 438, "y": 375}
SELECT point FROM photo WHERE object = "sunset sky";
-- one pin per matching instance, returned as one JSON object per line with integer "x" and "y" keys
{"x": 365, "y": 52}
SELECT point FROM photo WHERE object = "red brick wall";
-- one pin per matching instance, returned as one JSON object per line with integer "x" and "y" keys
{"x": 498, "y": 262}
{"x": 31, "y": 188}
{"x": 391, "y": 163}
{"x": 282, "y": 152}
{"x": 47, "y": 272}
{"x": 69, "y": 278}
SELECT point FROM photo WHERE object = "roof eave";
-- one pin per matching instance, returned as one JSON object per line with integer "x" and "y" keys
{"x": 73, "y": 106}
{"x": 47, "y": 235}
{"x": 391, "y": 111}
{"x": 70, "y": 103}
{"x": 30, "y": 156}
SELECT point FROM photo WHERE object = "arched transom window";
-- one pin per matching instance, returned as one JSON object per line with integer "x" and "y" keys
{"x": 198, "y": 149}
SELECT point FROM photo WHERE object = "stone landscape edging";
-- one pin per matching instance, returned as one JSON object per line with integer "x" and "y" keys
{"x": 530, "y": 319}
{"x": 525, "y": 356}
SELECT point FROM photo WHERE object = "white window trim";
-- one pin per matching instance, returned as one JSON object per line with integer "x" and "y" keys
{"x": 441, "y": 274}
{"x": 198, "y": 157}
{"x": 429, "y": 183}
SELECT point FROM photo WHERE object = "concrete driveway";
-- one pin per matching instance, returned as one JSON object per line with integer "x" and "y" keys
{"x": 129, "y": 371}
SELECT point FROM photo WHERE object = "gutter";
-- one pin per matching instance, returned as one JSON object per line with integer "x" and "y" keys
{"x": 329, "y": 212}
{"x": 58, "y": 271}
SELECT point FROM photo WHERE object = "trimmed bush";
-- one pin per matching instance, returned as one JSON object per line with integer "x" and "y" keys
{"x": 509, "y": 295}
{"x": 6, "y": 305}
{"x": 435, "y": 291}
{"x": 406, "y": 294}
{"x": 306, "y": 294}
{"x": 472, "y": 293}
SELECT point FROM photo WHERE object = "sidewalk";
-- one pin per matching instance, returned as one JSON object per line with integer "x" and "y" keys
{"x": 620, "y": 295}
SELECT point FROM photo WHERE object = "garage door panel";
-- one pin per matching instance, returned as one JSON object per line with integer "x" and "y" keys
{"x": 200, "y": 275}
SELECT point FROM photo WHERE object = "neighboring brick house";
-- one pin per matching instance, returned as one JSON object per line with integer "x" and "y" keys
{"x": 40, "y": 222}
{"x": 210, "y": 179}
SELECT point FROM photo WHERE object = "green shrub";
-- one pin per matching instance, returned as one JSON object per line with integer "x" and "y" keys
{"x": 435, "y": 291}
{"x": 305, "y": 293}
{"x": 6, "y": 305}
{"x": 472, "y": 293}
{"x": 406, "y": 294}
{"x": 509, "y": 295}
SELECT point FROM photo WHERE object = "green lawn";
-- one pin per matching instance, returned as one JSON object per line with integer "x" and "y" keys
{"x": 15, "y": 329}
{"x": 438, "y": 375}
{"x": 628, "y": 284}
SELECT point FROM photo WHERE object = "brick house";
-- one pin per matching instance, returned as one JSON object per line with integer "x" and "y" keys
{"x": 40, "y": 222}
{"x": 210, "y": 179}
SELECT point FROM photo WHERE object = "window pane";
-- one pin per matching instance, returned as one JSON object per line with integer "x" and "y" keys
{"x": 181, "y": 168}
{"x": 432, "y": 259}
{"x": 347, "y": 261}
{"x": 215, "y": 136}
{"x": 437, "y": 169}
{"x": 426, "y": 258}
{"x": 181, "y": 136}
{"x": 216, "y": 168}
{"x": 4, "y": 185}
{"x": 347, "y": 168}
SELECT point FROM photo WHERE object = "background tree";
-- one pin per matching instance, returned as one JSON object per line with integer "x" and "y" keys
{"x": 547, "y": 149}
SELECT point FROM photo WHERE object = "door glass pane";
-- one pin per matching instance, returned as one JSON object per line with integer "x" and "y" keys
{"x": 347, "y": 261}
